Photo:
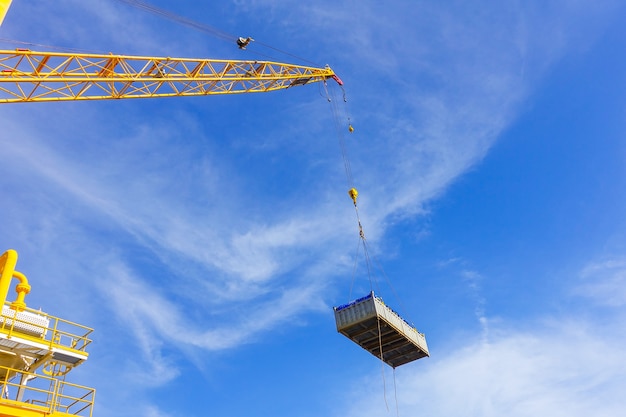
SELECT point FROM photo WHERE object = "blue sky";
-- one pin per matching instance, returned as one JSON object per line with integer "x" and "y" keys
{"x": 207, "y": 239}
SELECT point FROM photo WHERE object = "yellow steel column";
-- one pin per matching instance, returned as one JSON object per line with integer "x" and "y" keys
{"x": 8, "y": 260}
{"x": 4, "y": 8}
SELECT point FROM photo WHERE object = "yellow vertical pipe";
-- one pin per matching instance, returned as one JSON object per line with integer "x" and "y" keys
{"x": 8, "y": 260}
{"x": 4, "y": 8}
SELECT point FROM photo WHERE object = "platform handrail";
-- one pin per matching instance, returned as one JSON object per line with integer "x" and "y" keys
{"x": 50, "y": 394}
{"x": 45, "y": 328}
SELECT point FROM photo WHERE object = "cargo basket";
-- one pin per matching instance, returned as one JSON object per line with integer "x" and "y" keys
{"x": 378, "y": 329}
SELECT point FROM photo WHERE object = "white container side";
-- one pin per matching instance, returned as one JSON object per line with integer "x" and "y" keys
{"x": 355, "y": 312}
{"x": 25, "y": 321}
{"x": 399, "y": 323}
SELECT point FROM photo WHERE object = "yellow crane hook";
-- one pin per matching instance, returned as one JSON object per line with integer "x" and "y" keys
{"x": 353, "y": 193}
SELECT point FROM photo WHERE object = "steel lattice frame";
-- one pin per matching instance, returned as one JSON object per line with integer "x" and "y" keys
{"x": 28, "y": 76}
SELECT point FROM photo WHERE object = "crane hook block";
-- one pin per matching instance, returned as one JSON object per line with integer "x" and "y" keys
{"x": 353, "y": 193}
{"x": 350, "y": 128}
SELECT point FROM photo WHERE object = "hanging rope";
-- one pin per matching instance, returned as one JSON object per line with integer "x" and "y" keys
{"x": 181, "y": 20}
{"x": 202, "y": 27}
{"x": 288, "y": 54}
{"x": 382, "y": 364}
{"x": 50, "y": 47}
{"x": 354, "y": 268}
{"x": 395, "y": 392}
{"x": 353, "y": 194}
{"x": 402, "y": 308}
{"x": 330, "y": 96}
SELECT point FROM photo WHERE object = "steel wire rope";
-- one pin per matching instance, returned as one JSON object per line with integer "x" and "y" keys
{"x": 354, "y": 267}
{"x": 342, "y": 143}
{"x": 362, "y": 239}
{"x": 388, "y": 281}
{"x": 395, "y": 392}
{"x": 382, "y": 363}
{"x": 332, "y": 99}
{"x": 373, "y": 282}
{"x": 58, "y": 48}
{"x": 348, "y": 171}
{"x": 366, "y": 251}
{"x": 368, "y": 260}
{"x": 351, "y": 184}
{"x": 179, "y": 19}
{"x": 288, "y": 54}
{"x": 347, "y": 166}
{"x": 203, "y": 27}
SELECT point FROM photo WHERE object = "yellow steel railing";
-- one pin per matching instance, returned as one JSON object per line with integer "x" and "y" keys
{"x": 36, "y": 326}
{"x": 25, "y": 393}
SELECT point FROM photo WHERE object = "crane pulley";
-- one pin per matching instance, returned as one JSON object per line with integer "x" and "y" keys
{"x": 29, "y": 76}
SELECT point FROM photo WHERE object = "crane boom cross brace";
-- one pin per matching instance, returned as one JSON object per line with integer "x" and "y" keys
{"x": 29, "y": 76}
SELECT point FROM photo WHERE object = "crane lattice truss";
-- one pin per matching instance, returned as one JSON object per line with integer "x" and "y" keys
{"x": 27, "y": 76}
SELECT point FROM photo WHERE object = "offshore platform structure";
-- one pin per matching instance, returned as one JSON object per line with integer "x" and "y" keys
{"x": 37, "y": 351}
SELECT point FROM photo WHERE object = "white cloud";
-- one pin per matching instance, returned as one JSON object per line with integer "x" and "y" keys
{"x": 474, "y": 282}
{"x": 571, "y": 365}
{"x": 152, "y": 317}
{"x": 564, "y": 369}
{"x": 604, "y": 282}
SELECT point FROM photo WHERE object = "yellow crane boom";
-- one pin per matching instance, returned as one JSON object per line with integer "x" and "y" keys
{"x": 29, "y": 76}
{"x": 4, "y": 8}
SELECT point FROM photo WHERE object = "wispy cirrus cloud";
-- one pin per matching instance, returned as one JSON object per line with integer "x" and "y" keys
{"x": 565, "y": 365}
{"x": 444, "y": 122}
{"x": 604, "y": 282}
{"x": 561, "y": 368}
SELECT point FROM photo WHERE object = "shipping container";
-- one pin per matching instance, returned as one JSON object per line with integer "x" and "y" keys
{"x": 381, "y": 331}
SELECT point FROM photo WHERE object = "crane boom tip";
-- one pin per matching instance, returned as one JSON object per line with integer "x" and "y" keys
{"x": 336, "y": 78}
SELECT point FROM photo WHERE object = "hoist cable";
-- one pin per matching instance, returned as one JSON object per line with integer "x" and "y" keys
{"x": 395, "y": 392}
{"x": 179, "y": 19}
{"x": 58, "y": 48}
{"x": 370, "y": 275}
{"x": 393, "y": 290}
{"x": 354, "y": 267}
{"x": 202, "y": 27}
{"x": 342, "y": 145}
{"x": 350, "y": 180}
{"x": 353, "y": 193}
{"x": 288, "y": 53}
{"x": 382, "y": 363}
